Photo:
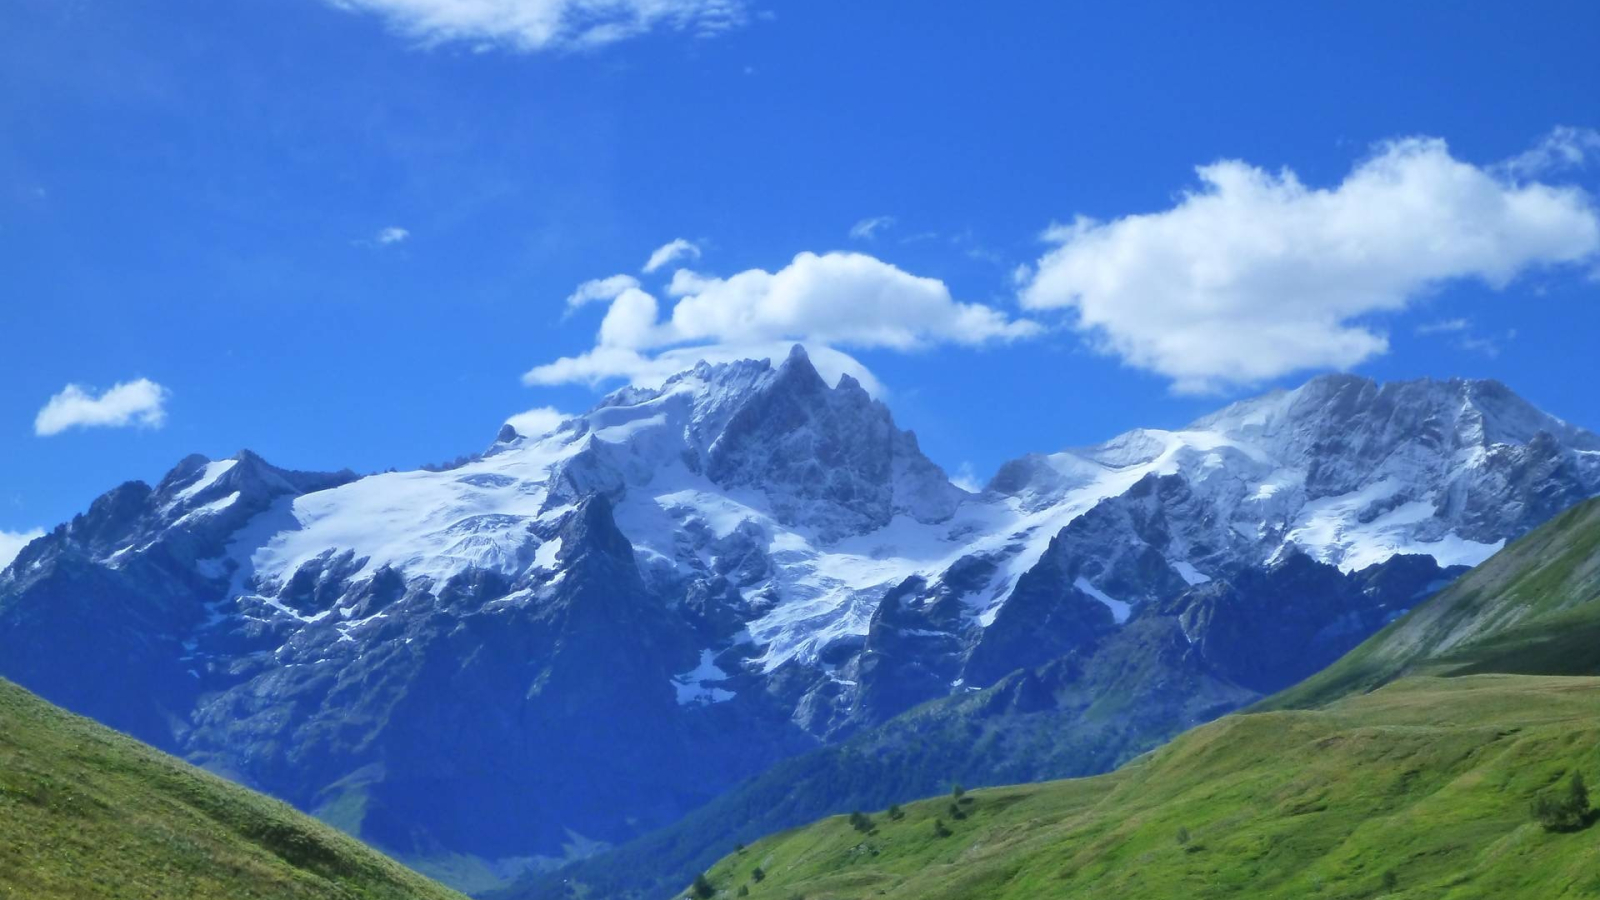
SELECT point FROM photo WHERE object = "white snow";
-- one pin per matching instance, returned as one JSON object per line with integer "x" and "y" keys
{"x": 691, "y": 686}
{"x": 1246, "y": 466}
{"x": 545, "y": 556}
{"x": 1189, "y": 573}
{"x": 1119, "y": 610}
{"x": 208, "y": 476}
{"x": 209, "y": 509}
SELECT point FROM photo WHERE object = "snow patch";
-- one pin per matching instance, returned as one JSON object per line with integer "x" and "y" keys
{"x": 1189, "y": 573}
{"x": 1119, "y": 610}
{"x": 691, "y": 686}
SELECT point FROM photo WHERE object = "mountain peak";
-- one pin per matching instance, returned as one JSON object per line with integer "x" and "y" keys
{"x": 797, "y": 372}
{"x": 1469, "y": 412}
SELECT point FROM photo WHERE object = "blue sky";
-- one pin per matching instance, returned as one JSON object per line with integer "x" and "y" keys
{"x": 196, "y": 194}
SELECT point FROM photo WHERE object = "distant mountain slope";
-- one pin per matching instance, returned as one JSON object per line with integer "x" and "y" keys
{"x": 1532, "y": 608}
{"x": 1175, "y": 664}
{"x": 1419, "y": 790}
{"x": 88, "y": 813}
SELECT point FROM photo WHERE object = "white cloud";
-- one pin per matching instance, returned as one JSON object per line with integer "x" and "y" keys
{"x": 391, "y": 235}
{"x": 600, "y": 289}
{"x": 538, "y": 421}
{"x": 139, "y": 403}
{"x": 12, "y": 542}
{"x": 1564, "y": 147}
{"x": 1255, "y": 275}
{"x": 1444, "y": 326}
{"x": 843, "y": 299}
{"x": 671, "y": 252}
{"x": 534, "y": 25}
{"x": 867, "y": 229}
{"x": 966, "y": 478}
{"x": 650, "y": 370}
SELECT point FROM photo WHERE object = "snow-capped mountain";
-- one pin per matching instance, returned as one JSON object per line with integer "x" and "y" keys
{"x": 577, "y": 635}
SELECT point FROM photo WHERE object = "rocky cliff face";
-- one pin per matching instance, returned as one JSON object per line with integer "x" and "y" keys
{"x": 579, "y": 635}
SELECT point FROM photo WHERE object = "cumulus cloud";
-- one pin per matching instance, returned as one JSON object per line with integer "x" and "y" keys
{"x": 12, "y": 542}
{"x": 538, "y": 421}
{"x": 867, "y": 229}
{"x": 140, "y": 403}
{"x": 832, "y": 299}
{"x": 599, "y": 289}
{"x": 671, "y": 252}
{"x": 535, "y": 25}
{"x": 392, "y": 235}
{"x": 1255, "y": 275}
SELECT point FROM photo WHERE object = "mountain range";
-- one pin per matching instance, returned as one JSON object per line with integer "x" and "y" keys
{"x": 694, "y": 606}
{"x": 1424, "y": 763}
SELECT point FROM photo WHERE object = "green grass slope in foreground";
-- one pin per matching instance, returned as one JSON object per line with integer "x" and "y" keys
{"x": 1531, "y": 609}
{"x": 1419, "y": 790}
{"x": 87, "y": 813}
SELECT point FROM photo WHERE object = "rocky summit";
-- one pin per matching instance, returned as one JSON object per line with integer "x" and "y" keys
{"x": 575, "y": 637}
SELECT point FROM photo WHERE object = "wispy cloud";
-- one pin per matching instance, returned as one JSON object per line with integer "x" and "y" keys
{"x": 1444, "y": 326}
{"x": 1254, "y": 275}
{"x": 538, "y": 421}
{"x": 597, "y": 290}
{"x": 966, "y": 478}
{"x": 867, "y": 229}
{"x": 1488, "y": 346}
{"x": 384, "y": 237}
{"x": 1565, "y": 147}
{"x": 538, "y": 25}
{"x": 12, "y": 542}
{"x": 671, "y": 252}
{"x": 140, "y": 403}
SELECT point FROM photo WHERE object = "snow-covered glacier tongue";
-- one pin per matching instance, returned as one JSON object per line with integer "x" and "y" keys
{"x": 584, "y": 633}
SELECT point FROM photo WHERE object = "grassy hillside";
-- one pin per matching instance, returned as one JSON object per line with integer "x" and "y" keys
{"x": 87, "y": 813}
{"x": 1419, "y": 790}
{"x": 1533, "y": 608}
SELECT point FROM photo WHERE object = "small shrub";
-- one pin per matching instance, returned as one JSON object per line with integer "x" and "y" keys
{"x": 896, "y": 813}
{"x": 758, "y": 874}
{"x": 861, "y": 822}
{"x": 939, "y": 828}
{"x": 957, "y": 791}
{"x": 1564, "y": 810}
{"x": 1183, "y": 836}
{"x": 702, "y": 888}
{"x": 956, "y": 812}
{"x": 744, "y": 891}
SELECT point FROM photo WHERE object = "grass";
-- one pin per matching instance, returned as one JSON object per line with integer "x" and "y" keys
{"x": 88, "y": 813}
{"x": 1421, "y": 789}
{"x": 1533, "y": 609}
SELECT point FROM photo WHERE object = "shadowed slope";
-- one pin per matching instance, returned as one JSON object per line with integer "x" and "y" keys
{"x": 86, "y": 812}
{"x": 1533, "y": 608}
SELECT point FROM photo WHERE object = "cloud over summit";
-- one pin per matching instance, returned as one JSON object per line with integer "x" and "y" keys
{"x": 831, "y": 299}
